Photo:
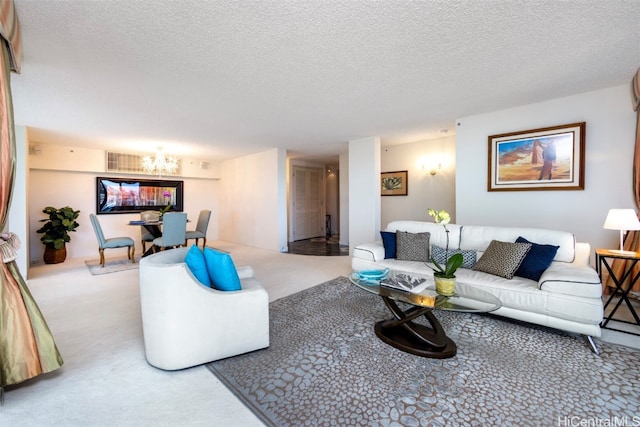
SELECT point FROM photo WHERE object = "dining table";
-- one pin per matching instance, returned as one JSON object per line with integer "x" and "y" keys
{"x": 152, "y": 226}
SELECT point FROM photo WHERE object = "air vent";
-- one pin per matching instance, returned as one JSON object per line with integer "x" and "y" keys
{"x": 129, "y": 163}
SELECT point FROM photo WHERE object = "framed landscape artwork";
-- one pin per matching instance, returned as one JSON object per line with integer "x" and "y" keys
{"x": 539, "y": 159}
{"x": 394, "y": 183}
{"x": 129, "y": 195}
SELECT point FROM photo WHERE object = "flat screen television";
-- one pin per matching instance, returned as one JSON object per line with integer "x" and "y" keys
{"x": 129, "y": 195}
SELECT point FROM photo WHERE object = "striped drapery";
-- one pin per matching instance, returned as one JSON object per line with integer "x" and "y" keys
{"x": 27, "y": 348}
{"x": 632, "y": 240}
{"x": 10, "y": 32}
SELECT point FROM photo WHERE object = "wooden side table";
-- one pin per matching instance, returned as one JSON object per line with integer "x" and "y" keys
{"x": 602, "y": 256}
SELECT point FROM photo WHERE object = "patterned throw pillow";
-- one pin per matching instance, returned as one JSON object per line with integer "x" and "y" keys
{"x": 412, "y": 246}
{"x": 502, "y": 258}
{"x": 439, "y": 254}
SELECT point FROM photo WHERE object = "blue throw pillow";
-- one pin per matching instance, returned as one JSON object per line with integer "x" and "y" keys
{"x": 196, "y": 263}
{"x": 389, "y": 243}
{"x": 222, "y": 271}
{"x": 538, "y": 259}
{"x": 441, "y": 255}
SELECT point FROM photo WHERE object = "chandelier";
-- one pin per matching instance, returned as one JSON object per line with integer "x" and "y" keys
{"x": 160, "y": 164}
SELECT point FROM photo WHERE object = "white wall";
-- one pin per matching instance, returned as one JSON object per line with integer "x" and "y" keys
{"x": 344, "y": 198}
{"x": 66, "y": 176}
{"x": 364, "y": 191}
{"x": 78, "y": 190}
{"x": 253, "y": 206}
{"x": 424, "y": 190}
{"x": 610, "y": 130}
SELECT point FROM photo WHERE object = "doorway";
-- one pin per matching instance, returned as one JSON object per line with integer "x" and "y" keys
{"x": 307, "y": 203}
{"x": 314, "y": 204}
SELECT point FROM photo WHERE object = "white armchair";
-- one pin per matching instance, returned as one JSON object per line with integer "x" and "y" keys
{"x": 187, "y": 324}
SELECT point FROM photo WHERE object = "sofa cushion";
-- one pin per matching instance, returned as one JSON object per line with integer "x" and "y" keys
{"x": 222, "y": 271}
{"x": 538, "y": 259}
{"x": 196, "y": 263}
{"x": 412, "y": 246}
{"x": 478, "y": 237}
{"x": 502, "y": 258}
{"x": 389, "y": 243}
{"x": 438, "y": 235}
{"x": 440, "y": 255}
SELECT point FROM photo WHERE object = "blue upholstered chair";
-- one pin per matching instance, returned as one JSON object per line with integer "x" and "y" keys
{"x": 145, "y": 235}
{"x": 112, "y": 243}
{"x": 201, "y": 228}
{"x": 174, "y": 231}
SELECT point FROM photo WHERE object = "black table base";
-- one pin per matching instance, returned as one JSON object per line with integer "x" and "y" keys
{"x": 406, "y": 335}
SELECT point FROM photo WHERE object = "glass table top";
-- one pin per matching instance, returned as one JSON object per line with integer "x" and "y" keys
{"x": 467, "y": 298}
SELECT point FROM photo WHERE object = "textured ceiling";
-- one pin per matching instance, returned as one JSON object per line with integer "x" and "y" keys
{"x": 220, "y": 78}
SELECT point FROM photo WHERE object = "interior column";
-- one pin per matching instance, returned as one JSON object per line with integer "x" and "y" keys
{"x": 364, "y": 191}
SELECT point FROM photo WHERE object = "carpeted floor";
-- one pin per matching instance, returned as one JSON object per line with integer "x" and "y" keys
{"x": 325, "y": 366}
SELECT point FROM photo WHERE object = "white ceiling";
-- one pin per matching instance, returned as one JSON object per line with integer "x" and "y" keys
{"x": 215, "y": 79}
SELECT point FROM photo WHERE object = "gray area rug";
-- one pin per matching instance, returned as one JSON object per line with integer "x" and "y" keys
{"x": 111, "y": 265}
{"x": 326, "y": 367}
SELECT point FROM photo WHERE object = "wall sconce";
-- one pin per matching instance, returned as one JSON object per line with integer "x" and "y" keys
{"x": 432, "y": 167}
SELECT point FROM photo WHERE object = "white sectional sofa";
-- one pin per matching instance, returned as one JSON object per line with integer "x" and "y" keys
{"x": 568, "y": 295}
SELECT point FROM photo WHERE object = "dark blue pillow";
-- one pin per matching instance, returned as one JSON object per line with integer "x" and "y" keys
{"x": 196, "y": 263}
{"x": 538, "y": 259}
{"x": 389, "y": 243}
{"x": 222, "y": 271}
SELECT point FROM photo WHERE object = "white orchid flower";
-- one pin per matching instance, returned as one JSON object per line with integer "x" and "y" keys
{"x": 440, "y": 217}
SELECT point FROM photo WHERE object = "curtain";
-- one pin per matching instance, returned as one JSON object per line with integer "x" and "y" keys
{"x": 632, "y": 239}
{"x": 27, "y": 348}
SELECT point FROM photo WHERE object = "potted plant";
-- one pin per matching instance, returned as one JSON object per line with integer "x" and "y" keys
{"x": 445, "y": 275}
{"x": 56, "y": 232}
{"x": 167, "y": 199}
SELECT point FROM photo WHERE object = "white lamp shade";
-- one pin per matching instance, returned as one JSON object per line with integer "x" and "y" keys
{"x": 622, "y": 219}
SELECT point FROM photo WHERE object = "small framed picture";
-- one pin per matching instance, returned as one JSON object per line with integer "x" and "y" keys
{"x": 539, "y": 159}
{"x": 394, "y": 183}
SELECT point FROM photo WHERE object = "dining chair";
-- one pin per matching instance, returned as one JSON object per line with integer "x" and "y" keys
{"x": 111, "y": 243}
{"x": 145, "y": 235}
{"x": 174, "y": 231}
{"x": 201, "y": 228}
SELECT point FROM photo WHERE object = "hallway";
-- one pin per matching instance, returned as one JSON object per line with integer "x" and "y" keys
{"x": 321, "y": 246}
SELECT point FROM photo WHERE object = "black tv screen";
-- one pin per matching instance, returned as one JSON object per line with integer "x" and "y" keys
{"x": 127, "y": 195}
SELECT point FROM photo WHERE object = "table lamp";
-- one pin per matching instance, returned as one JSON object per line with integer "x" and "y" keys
{"x": 623, "y": 220}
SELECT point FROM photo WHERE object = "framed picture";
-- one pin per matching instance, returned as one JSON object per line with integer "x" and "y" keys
{"x": 539, "y": 159}
{"x": 394, "y": 183}
{"x": 116, "y": 195}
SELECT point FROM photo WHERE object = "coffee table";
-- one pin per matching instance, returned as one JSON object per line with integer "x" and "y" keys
{"x": 404, "y": 333}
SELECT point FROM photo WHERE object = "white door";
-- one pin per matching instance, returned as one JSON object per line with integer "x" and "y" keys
{"x": 307, "y": 191}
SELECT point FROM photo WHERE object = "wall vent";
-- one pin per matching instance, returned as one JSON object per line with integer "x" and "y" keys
{"x": 129, "y": 163}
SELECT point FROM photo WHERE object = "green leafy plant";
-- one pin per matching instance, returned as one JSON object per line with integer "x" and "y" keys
{"x": 447, "y": 271}
{"x": 56, "y": 229}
